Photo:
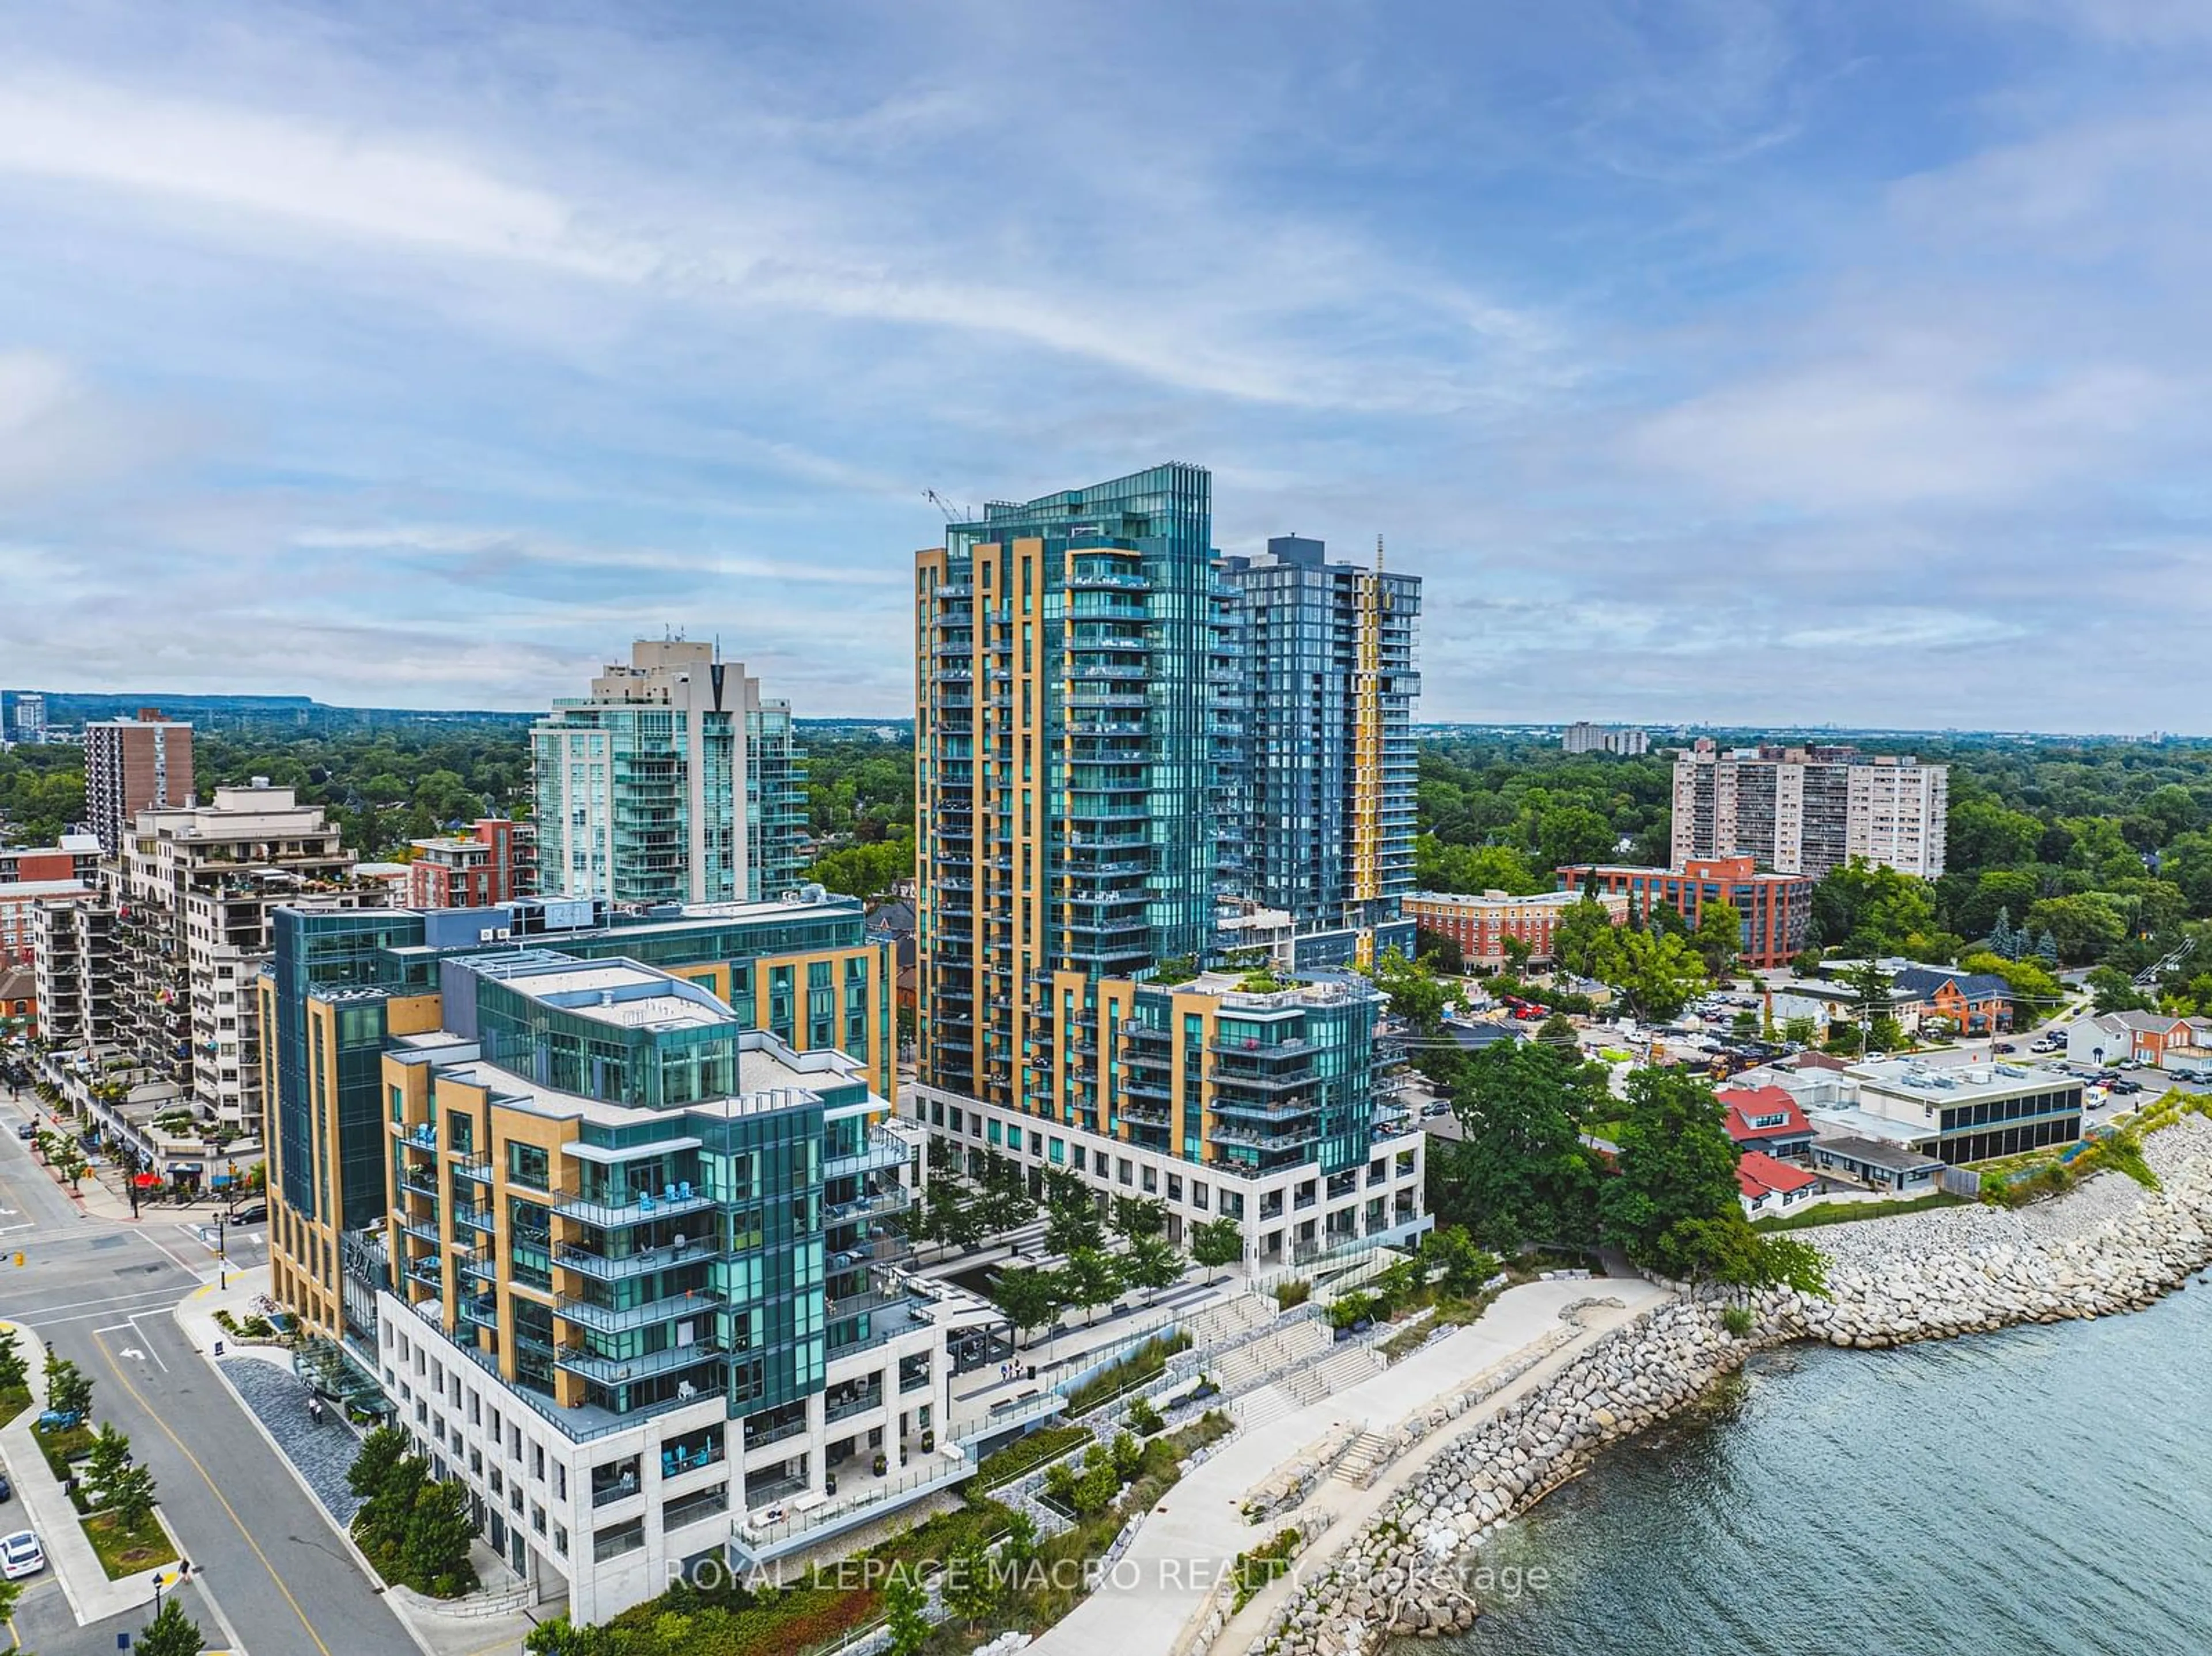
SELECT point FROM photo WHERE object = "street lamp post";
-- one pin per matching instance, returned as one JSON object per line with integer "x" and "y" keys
{"x": 222, "y": 1253}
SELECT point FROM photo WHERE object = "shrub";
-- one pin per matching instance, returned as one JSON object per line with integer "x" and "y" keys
{"x": 1143, "y": 1419}
{"x": 1262, "y": 1564}
{"x": 1025, "y": 1455}
{"x": 1738, "y": 1320}
{"x": 1350, "y": 1310}
{"x": 1289, "y": 1294}
{"x": 1132, "y": 1371}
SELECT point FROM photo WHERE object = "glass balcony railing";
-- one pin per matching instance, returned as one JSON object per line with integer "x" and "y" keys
{"x": 618, "y": 1207}
{"x": 610, "y": 1320}
{"x": 616, "y": 1267}
{"x": 614, "y": 1371}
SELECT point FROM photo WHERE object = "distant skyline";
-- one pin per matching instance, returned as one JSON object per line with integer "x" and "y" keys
{"x": 1773, "y": 363}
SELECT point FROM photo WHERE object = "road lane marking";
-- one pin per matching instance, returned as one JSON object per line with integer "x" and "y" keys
{"x": 185, "y": 1264}
{"x": 151, "y": 1350}
{"x": 215, "y": 1489}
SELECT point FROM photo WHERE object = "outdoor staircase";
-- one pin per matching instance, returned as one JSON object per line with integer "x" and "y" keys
{"x": 1219, "y": 1323}
{"x": 1371, "y": 1265}
{"x": 1357, "y": 1466}
{"x": 1254, "y": 1360}
{"x": 1335, "y": 1373}
{"x": 1263, "y": 1407}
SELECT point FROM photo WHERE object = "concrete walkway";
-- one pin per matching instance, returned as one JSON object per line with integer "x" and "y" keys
{"x": 83, "y": 1579}
{"x": 1186, "y": 1545}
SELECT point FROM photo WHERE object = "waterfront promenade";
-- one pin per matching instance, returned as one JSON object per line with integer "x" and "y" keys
{"x": 1165, "y": 1579}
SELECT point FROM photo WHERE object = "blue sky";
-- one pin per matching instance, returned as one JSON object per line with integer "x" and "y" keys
{"x": 1714, "y": 361}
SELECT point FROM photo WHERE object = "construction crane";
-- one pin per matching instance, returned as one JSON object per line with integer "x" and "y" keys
{"x": 953, "y": 514}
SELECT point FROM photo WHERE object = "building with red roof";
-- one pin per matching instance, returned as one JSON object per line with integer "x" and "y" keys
{"x": 1767, "y": 1119}
{"x": 1767, "y": 1186}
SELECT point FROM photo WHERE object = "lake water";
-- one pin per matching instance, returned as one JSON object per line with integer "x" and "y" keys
{"x": 2047, "y": 1490}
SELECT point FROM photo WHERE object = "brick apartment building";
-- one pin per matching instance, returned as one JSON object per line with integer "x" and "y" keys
{"x": 1776, "y": 908}
{"x": 476, "y": 870}
{"x": 1479, "y": 924}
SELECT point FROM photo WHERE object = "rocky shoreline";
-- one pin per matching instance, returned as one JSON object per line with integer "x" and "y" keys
{"x": 2109, "y": 1247}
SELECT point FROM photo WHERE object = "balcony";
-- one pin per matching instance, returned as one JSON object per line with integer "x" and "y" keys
{"x": 616, "y": 1371}
{"x": 609, "y": 1320}
{"x": 616, "y": 1268}
{"x": 768, "y": 1533}
{"x": 1256, "y": 1139}
{"x": 895, "y": 1200}
{"x": 1150, "y": 1115}
{"x": 616, "y": 1206}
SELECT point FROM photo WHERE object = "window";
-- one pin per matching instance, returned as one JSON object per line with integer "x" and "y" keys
{"x": 620, "y": 1539}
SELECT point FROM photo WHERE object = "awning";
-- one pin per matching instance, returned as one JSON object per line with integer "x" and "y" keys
{"x": 223, "y": 1179}
{"x": 147, "y": 1180}
{"x": 184, "y": 1166}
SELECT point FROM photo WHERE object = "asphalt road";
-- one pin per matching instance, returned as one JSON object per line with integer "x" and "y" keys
{"x": 103, "y": 1294}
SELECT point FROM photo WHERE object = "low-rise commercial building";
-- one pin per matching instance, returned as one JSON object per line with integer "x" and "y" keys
{"x": 1971, "y": 1113}
{"x": 1482, "y": 923}
{"x": 1776, "y": 909}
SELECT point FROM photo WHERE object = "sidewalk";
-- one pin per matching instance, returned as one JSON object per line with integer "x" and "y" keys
{"x": 1189, "y": 1540}
{"x": 464, "y": 1631}
{"x": 83, "y": 1579}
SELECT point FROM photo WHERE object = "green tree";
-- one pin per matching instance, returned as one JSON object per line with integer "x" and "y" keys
{"x": 1030, "y": 1297}
{"x": 68, "y": 1387}
{"x": 171, "y": 1633}
{"x": 970, "y": 1583}
{"x": 1413, "y": 990}
{"x": 1674, "y": 1206}
{"x": 109, "y": 1454}
{"x": 2116, "y": 992}
{"x": 380, "y": 1452}
{"x": 1799, "y": 1031}
{"x": 1983, "y": 834}
{"x": 1151, "y": 1265}
{"x": 1462, "y": 1266}
{"x": 1719, "y": 937}
{"x": 2086, "y": 926}
{"x": 1090, "y": 1279}
{"x": 1140, "y": 1216}
{"x": 906, "y": 1612}
{"x": 129, "y": 1494}
{"x": 1072, "y": 1224}
{"x": 436, "y": 1551}
{"x": 1677, "y": 1165}
{"x": 1583, "y": 938}
{"x": 1656, "y": 972}
{"x": 1521, "y": 1171}
{"x": 15, "y": 1373}
{"x": 1218, "y": 1242}
{"x": 867, "y": 871}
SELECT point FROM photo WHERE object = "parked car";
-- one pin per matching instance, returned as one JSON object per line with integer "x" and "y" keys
{"x": 2127, "y": 1086}
{"x": 27, "y": 1130}
{"x": 7, "y": 1489}
{"x": 255, "y": 1212}
{"x": 20, "y": 1554}
{"x": 2004, "y": 1046}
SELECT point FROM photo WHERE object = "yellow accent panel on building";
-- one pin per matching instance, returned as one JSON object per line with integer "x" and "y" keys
{"x": 414, "y": 1015}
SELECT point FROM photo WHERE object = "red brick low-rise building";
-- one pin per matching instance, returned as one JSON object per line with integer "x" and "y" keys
{"x": 474, "y": 870}
{"x": 1479, "y": 924}
{"x": 1776, "y": 908}
{"x": 19, "y": 1001}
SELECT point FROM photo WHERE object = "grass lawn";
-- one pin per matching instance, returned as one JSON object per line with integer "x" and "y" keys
{"x": 126, "y": 1552}
{"x": 13, "y": 1401}
{"x": 1844, "y": 1213}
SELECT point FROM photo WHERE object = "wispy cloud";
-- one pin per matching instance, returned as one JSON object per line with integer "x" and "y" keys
{"x": 1730, "y": 359}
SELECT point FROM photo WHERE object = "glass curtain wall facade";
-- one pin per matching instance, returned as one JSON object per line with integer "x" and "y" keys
{"x": 1328, "y": 655}
{"x": 674, "y": 781}
{"x": 1064, "y": 757}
